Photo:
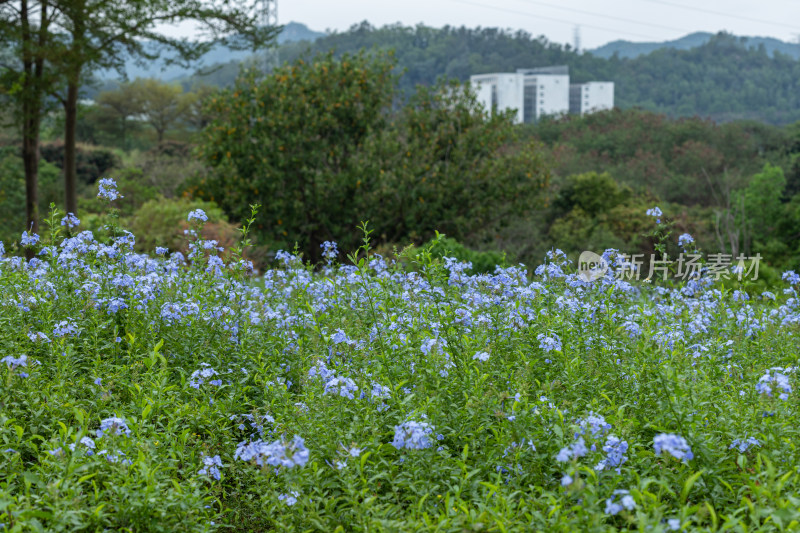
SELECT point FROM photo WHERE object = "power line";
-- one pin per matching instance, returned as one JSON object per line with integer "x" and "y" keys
{"x": 723, "y": 14}
{"x": 570, "y": 22}
{"x": 610, "y": 17}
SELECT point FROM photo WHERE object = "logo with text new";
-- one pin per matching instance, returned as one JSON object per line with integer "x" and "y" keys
{"x": 591, "y": 266}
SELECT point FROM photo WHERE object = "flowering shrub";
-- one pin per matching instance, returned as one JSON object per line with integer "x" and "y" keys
{"x": 173, "y": 392}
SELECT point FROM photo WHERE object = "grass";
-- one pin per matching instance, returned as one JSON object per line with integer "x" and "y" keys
{"x": 426, "y": 398}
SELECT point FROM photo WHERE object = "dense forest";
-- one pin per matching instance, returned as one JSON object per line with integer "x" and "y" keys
{"x": 724, "y": 79}
{"x": 338, "y": 131}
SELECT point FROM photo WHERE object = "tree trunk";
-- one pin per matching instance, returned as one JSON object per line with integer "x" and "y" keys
{"x": 30, "y": 160}
{"x": 70, "y": 123}
{"x": 32, "y": 101}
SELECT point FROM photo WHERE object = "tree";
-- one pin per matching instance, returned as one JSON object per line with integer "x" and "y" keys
{"x": 762, "y": 202}
{"x": 197, "y": 111}
{"x": 121, "y": 103}
{"x": 68, "y": 36}
{"x": 293, "y": 143}
{"x": 25, "y": 31}
{"x": 323, "y": 146}
{"x": 162, "y": 104}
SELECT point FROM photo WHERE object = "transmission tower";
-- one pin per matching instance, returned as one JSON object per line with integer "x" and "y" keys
{"x": 577, "y": 39}
{"x": 269, "y": 18}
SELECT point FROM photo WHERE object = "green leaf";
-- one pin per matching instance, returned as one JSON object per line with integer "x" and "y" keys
{"x": 687, "y": 486}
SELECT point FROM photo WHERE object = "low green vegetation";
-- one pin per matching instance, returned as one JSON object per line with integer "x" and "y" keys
{"x": 175, "y": 391}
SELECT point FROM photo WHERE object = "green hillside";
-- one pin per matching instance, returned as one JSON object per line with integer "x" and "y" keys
{"x": 724, "y": 79}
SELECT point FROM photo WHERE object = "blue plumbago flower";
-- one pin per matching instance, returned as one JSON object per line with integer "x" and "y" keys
{"x": 29, "y": 239}
{"x": 578, "y": 449}
{"x": 98, "y": 381}
{"x": 432, "y": 345}
{"x": 329, "y": 250}
{"x": 14, "y": 362}
{"x": 288, "y": 259}
{"x": 354, "y": 451}
{"x": 2, "y": 249}
{"x": 88, "y": 443}
{"x": 768, "y": 381}
{"x": 64, "y": 328}
{"x": 289, "y": 499}
{"x": 655, "y": 212}
{"x": 626, "y": 502}
{"x": 339, "y": 386}
{"x": 70, "y": 221}
{"x": 548, "y": 343}
{"x": 685, "y": 239}
{"x": 201, "y": 376}
{"x": 675, "y": 445}
{"x": 118, "y": 457}
{"x": 211, "y": 466}
{"x": 744, "y": 444}
{"x": 340, "y": 337}
{"x": 593, "y": 423}
{"x": 481, "y": 356}
{"x": 379, "y": 391}
{"x": 320, "y": 370}
{"x": 615, "y": 450}
{"x": 674, "y": 524}
{"x": 160, "y": 250}
{"x": 113, "y": 426}
{"x": 108, "y": 189}
{"x": 197, "y": 214}
{"x": 791, "y": 277}
{"x": 412, "y": 435}
{"x": 278, "y": 453}
{"x": 566, "y": 480}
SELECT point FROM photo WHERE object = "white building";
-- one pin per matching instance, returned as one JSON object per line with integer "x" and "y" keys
{"x": 589, "y": 97}
{"x": 546, "y": 92}
{"x": 500, "y": 92}
{"x": 533, "y": 93}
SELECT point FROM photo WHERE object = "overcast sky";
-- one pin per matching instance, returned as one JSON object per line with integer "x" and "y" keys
{"x": 600, "y": 21}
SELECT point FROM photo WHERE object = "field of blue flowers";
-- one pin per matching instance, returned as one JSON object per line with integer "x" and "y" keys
{"x": 184, "y": 393}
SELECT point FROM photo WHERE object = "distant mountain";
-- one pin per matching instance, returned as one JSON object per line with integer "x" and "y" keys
{"x": 292, "y": 32}
{"x": 630, "y": 50}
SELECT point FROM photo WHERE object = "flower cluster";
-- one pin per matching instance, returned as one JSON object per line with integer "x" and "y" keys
{"x": 339, "y": 386}
{"x": 412, "y": 435}
{"x": 675, "y": 445}
{"x": 576, "y": 450}
{"x": 593, "y": 423}
{"x": 684, "y": 240}
{"x": 329, "y": 251}
{"x": 113, "y": 426}
{"x": 64, "y": 328}
{"x": 70, "y": 221}
{"x": 776, "y": 380}
{"x": 108, "y": 189}
{"x": 626, "y": 502}
{"x": 549, "y": 343}
{"x": 278, "y": 453}
{"x": 203, "y": 375}
{"x": 197, "y": 214}
{"x": 14, "y": 362}
{"x": 744, "y": 444}
{"x": 211, "y": 466}
{"x": 656, "y": 213}
{"x": 29, "y": 239}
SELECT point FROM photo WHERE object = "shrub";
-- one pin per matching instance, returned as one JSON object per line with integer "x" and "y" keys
{"x": 161, "y": 222}
{"x": 92, "y": 163}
